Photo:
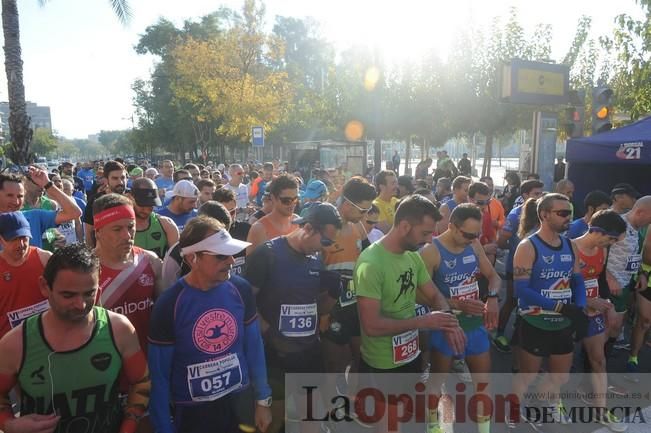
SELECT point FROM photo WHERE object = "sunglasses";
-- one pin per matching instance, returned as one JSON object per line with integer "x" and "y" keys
{"x": 612, "y": 235}
{"x": 469, "y": 236}
{"x": 361, "y": 209}
{"x": 371, "y": 223}
{"x": 288, "y": 200}
{"x": 220, "y": 257}
{"x": 563, "y": 213}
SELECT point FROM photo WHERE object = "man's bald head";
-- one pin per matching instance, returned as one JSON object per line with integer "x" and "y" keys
{"x": 640, "y": 215}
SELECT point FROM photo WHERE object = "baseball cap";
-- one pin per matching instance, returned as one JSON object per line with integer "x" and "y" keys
{"x": 185, "y": 188}
{"x": 136, "y": 172}
{"x": 320, "y": 214}
{"x": 146, "y": 197}
{"x": 625, "y": 188}
{"x": 217, "y": 243}
{"x": 314, "y": 190}
{"x": 13, "y": 225}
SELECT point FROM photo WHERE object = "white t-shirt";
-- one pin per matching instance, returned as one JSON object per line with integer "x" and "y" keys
{"x": 375, "y": 235}
{"x": 241, "y": 193}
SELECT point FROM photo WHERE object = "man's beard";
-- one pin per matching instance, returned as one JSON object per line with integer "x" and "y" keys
{"x": 119, "y": 189}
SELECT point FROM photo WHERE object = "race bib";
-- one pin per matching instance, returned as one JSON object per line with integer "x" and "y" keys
{"x": 238, "y": 266}
{"x": 347, "y": 296}
{"x": 405, "y": 347}
{"x": 558, "y": 294}
{"x": 297, "y": 320}
{"x": 421, "y": 310}
{"x": 465, "y": 291}
{"x": 208, "y": 381}
{"x": 17, "y": 317}
{"x": 592, "y": 288}
{"x": 633, "y": 262}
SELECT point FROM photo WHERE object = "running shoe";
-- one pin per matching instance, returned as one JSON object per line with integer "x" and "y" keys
{"x": 617, "y": 390}
{"x": 559, "y": 414}
{"x": 461, "y": 369}
{"x": 632, "y": 371}
{"x": 501, "y": 343}
{"x": 612, "y": 422}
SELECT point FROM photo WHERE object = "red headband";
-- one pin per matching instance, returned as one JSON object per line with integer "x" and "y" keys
{"x": 113, "y": 214}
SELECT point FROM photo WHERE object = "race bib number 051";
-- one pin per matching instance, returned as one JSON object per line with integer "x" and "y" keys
{"x": 208, "y": 381}
{"x": 297, "y": 320}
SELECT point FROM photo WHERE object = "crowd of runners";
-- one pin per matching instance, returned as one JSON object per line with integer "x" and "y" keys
{"x": 167, "y": 299}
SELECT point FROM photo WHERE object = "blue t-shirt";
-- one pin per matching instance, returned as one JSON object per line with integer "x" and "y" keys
{"x": 39, "y": 221}
{"x": 206, "y": 328}
{"x": 81, "y": 203}
{"x": 179, "y": 220}
{"x": 164, "y": 183}
{"x": 578, "y": 227}
{"x": 88, "y": 177}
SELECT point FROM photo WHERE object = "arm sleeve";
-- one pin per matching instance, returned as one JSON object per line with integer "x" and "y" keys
{"x": 160, "y": 368}
{"x": 254, "y": 349}
{"x": 578, "y": 290}
{"x": 531, "y": 297}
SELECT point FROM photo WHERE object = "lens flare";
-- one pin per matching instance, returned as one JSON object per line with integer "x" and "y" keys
{"x": 354, "y": 130}
{"x": 371, "y": 78}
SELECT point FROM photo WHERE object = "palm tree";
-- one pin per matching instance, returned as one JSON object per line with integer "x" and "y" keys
{"x": 19, "y": 121}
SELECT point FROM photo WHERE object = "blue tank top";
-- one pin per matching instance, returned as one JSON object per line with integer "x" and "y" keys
{"x": 288, "y": 302}
{"x": 207, "y": 330}
{"x": 451, "y": 203}
{"x": 456, "y": 278}
{"x": 551, "y": 275}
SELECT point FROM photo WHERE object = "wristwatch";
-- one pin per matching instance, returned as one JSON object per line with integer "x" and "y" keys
{"x": 48, "y": 185}
{"x": 492, "y": 293}
{"x": 264, "y": 403}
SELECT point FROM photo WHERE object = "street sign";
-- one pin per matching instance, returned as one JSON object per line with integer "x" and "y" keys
{"x": 258, "y": 136}
{"x": 525, "y": 82}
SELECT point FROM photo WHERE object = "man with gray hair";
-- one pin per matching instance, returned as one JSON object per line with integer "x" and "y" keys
{"x": 235, "y": 184}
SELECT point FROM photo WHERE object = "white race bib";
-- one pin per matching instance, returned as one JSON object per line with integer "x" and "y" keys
{"x": 633, "y": 262}
{"x": 465, "y": 291}
{"x": 297, "y": 320}
{"x": 208, "y": 381}
{"x": 17, "y": 317}
{"x": 347, "y": 296}
{"x": 405, "y": 347}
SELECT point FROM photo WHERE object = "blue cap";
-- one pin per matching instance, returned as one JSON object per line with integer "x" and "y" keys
{"x": 13, "y": 225}
{"x": 320, "y": 214}
{"x": 315, "y": 189}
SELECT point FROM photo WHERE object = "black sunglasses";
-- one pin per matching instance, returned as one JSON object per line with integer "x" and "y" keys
{"x": 469, "y": 236}
{"x": 563, "y": 213}
{"x": 287, "y": 200}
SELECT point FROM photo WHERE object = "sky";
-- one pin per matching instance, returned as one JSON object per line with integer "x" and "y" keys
{"x": 79, "y": 59}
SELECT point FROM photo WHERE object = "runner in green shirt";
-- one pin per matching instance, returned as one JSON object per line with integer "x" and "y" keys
{"x": 389, "y": 277}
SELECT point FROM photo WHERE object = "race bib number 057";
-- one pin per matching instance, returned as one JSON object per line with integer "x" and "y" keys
{"x": 208, "y": 381}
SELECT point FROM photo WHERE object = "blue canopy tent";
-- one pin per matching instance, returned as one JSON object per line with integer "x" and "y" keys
{"x": 603, "y": 160}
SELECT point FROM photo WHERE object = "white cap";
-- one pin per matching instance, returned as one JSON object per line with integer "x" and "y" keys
{"x": 151, "y": 171}
{"x": 185, "y": 188}
{"x": 217, "y": 243}
{"x": 220, "y": 167}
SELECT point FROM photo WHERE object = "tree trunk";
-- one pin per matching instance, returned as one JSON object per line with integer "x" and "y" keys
{"x": 19, "y": 121}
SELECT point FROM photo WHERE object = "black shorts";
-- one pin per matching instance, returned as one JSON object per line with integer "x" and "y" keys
{"x": 539, "y": 342}
{"x": 344, "y": 324}
{"x": 221, "y": 415}
{"x": 646, "y": 293}
{"x": 278, "y": 364}
{"x": 415, "y": 366}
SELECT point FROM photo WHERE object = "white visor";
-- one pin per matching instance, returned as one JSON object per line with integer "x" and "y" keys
{"x": 218, "y": 243}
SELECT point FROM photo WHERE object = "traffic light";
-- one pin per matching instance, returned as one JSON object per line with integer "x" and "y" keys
{"x": 602, "y": 109}
{"x": 574, "y": 121}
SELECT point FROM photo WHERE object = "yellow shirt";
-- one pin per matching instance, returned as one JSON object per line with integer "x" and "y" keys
{"x": 387, "y": 209}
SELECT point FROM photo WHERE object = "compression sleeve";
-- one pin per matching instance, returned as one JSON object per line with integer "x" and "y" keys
{"x": 160, "y": 366}
{"x": 578, "y": 290}
{"x": 254, "y": 350}
{"x": 531, "y": 297}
